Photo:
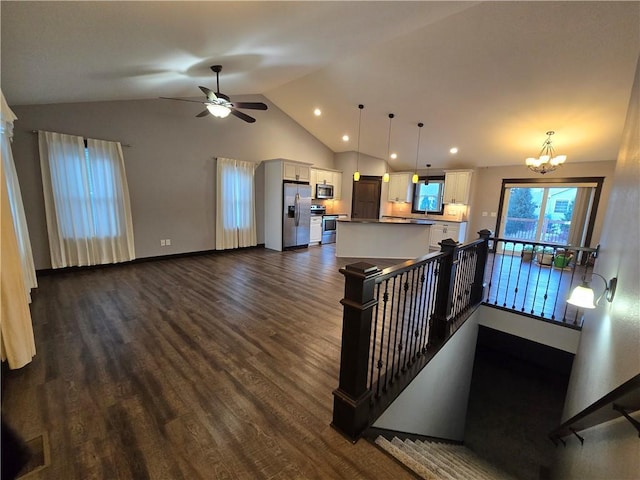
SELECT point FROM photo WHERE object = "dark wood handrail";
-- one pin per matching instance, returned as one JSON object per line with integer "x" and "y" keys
{"x": 626, "y": 397}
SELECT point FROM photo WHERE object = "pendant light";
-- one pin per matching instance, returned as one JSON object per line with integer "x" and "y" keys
{"x": 547, "y": 160}
{"x": 356, "y": 174}
{"x": 426, "y": 180}
{"x": 415, "y": 178}
{"x": 385, "y": 177}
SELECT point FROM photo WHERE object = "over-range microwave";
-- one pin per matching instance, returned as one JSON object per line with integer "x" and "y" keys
{"x": 324, "y": 190}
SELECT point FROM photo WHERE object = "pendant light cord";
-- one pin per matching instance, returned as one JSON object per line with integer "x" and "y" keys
{"x": 359, "y": 125}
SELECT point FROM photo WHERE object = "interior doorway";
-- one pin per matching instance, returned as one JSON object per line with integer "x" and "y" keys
{"x": 365, "y": 202}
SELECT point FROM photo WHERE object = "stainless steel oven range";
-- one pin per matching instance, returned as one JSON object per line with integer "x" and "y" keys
{"x": 329, "y": 223}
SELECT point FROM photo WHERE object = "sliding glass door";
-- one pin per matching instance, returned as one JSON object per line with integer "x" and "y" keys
{"x": 555, "y": 213}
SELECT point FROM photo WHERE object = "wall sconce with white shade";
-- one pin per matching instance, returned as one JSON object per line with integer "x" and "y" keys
{"x": 415, "y": 177}
{"x": 583, "y": 296}
{"x": 356, "y": 174}
{"x": 547, "y": 160}
{"x": 385, "y": 177}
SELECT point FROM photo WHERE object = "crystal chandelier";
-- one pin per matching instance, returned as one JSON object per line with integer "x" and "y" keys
{"x": 547, "y": 160}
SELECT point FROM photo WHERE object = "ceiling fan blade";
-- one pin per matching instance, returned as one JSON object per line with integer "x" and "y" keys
{"x": 250, "y": 105}
{"x": 204, "y": 113}
{"x": 181, "y": 99}
{"x": 243, "y": 116}
{"x": 210, "y": 95}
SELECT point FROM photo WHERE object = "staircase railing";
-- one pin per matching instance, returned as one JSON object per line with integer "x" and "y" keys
{"x": 620, "y": 402}
{"x": 534, "y": 278}
{"x": 395, "y": 320}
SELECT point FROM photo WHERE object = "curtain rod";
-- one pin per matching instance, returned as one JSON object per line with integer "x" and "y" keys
{"x": 85, "y": 140}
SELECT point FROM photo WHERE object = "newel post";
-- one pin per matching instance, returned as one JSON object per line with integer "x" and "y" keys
{"x": 477, "y": 290}
{"x": 444, "y": 296}
{"x": 351, "y": 398}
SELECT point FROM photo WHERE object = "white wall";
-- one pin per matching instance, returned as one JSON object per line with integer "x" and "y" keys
{"x": 609, "y": 349}
{"x": 545, "y": 333}
{"x": 435, "y": 403}
{"x": 170, "y": 166}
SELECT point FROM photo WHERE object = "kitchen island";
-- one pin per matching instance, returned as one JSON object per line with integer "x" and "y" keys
{"x": 387, "y": 238}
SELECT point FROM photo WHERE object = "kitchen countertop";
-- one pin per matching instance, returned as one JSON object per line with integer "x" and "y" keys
{"x": 401, "y": 221}
{"x": 439, "y": 220}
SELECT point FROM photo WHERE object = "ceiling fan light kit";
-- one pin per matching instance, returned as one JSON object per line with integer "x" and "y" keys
{"x": 547, "y": 160}
{"x": 220, "y": 105}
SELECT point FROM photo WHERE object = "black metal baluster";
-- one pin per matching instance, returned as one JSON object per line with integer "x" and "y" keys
{"x": 499, "y": 277}
{"x": 515, "y": 296}
{"x": 385, "y": 299}
{"x": 524, "y": 297}
{"x": 430, "y": 283}
{"x": 394, "y": 358}
{"x": 490, "y": 270}
{"x": 506, "y": 292}
{"x": 374, "y": 327}
{"x": 535, "y": 292}
{"x": 423, "y": 309}
{"x": 386, "y": 372}
{"x": 573, "y": 273}
{"x": 546, "y": 291}
{"x": 403, "y": 329}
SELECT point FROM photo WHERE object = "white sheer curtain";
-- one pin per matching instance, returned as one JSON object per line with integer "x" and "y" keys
{"x": 235, "y": 204}
{"x": 86, "y": 201}
{"x": 15, "y": 199}
{"x": 17, "y": 344}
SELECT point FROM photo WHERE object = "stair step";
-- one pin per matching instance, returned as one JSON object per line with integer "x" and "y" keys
{"x": 440, "y": 461}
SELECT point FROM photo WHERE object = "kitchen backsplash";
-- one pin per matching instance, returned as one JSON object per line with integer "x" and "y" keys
{"x": 452, "y": 213}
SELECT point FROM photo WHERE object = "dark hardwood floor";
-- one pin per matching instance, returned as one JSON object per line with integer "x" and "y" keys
{"x": 218, "y": 366}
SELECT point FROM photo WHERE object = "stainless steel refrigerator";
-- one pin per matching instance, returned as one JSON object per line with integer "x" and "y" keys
{"x": 297, "y": 215}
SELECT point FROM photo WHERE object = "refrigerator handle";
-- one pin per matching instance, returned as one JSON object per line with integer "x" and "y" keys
{"x": 297, "y": 209}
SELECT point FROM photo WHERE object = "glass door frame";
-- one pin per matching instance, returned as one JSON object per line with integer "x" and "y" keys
{"x": 598, "y": 181}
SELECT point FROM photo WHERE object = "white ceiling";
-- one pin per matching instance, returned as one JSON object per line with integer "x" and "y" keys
{"x": 488, "y": 77}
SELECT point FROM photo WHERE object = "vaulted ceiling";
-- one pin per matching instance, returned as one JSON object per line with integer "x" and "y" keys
{"x": 487, "y": 77}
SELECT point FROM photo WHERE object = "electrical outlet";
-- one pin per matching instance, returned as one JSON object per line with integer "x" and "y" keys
{"x": 163, "y": 243}
{"x": 168, "y": 242}
{"x": 494, "y": 214}
{"x": 484, "y": 214}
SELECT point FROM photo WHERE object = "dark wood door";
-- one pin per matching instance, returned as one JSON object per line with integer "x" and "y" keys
{"x": 365, "y": 202}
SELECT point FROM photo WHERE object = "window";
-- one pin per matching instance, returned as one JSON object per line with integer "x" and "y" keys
{"x": 86, "y": 200}
{"x": 427, "y": 198}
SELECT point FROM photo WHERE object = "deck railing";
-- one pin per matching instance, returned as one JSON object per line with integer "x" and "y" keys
{"x": 395, "y": 320}
{"x": 535, "y": 279}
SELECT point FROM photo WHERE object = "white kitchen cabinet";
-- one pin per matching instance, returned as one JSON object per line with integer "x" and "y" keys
{"x": 337, "y": 185}
{"x": 400, "y": 187}
{"x": 296, "y": 172}
{"x": 443, "y": 230}
{"x": 330, "y": 177}
{"x": 457, "y": 184}
{"x": 315, "y": 234}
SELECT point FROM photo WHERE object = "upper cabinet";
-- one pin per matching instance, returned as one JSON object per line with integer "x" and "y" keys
{"x": 400, "y": 187}
{"x": 337, "y": 185}
{"x": 296, "y": 171}
{"x": 457, "y": 184}
{"x": 329, "y": 177}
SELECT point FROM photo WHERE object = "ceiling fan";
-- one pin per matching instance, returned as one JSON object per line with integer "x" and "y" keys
{"x": 220, "y": 105}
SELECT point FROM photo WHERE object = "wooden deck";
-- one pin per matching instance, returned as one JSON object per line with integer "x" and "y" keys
{"x": 218, "y": 366}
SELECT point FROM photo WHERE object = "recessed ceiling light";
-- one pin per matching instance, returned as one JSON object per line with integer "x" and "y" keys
{"x": 453, "y": 150}
{"x": 317, "y": 112}
{"x": 345, "y": 138}
{"x": 394, "y": 155}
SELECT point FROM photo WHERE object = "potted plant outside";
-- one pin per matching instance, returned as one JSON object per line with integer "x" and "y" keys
{"x": 545, "y": 256}
{"x": 527, "y": 253}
